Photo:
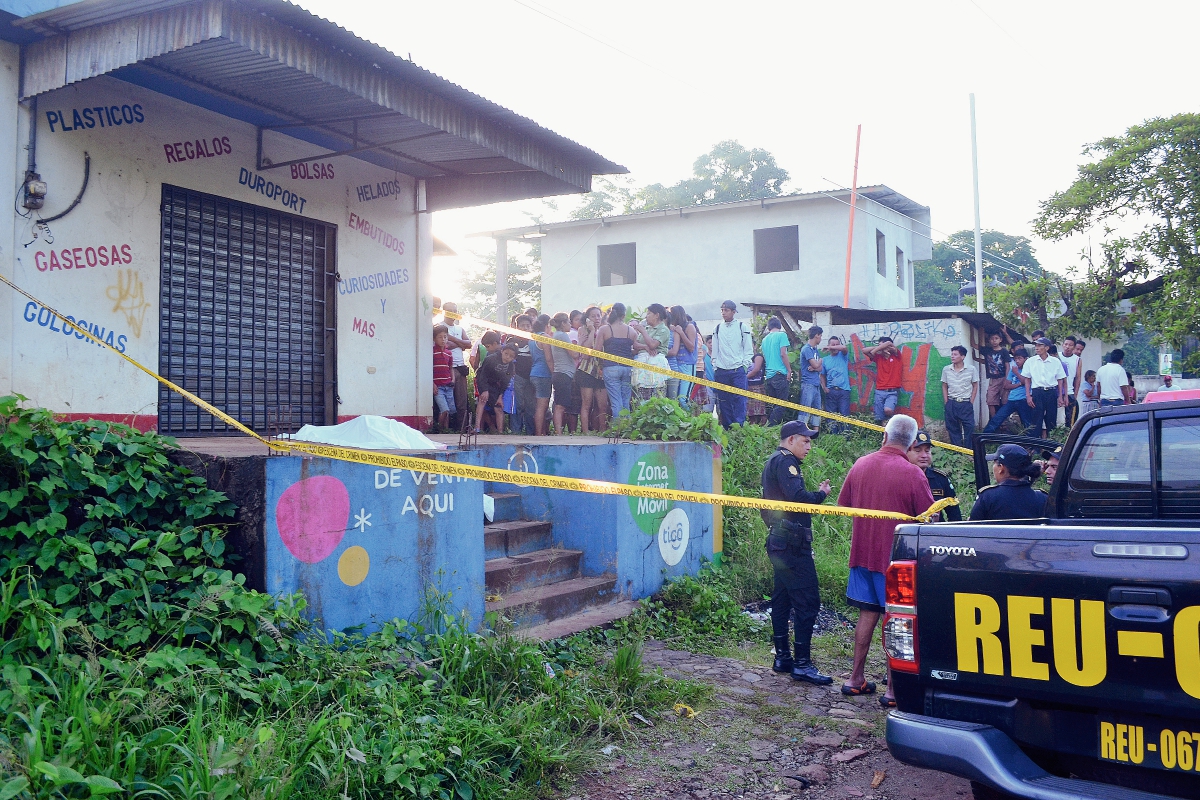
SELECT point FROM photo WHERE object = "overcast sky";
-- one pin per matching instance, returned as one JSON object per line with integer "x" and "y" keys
{"x": 651, "y": 85}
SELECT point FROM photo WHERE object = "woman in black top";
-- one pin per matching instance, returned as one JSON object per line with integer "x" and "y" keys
{"x": 1012, "y": 496}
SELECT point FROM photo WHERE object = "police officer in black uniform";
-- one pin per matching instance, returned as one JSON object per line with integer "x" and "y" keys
{"x": 1050, "y": 465}
{"x": 921, "y": 454}
{"x": 1012, "y": 496}
{"x": 789, "y": 546}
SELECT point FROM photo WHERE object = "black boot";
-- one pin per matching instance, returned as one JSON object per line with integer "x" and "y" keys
{"x": 783, "y": 661}
{"x": 805, "y": 671}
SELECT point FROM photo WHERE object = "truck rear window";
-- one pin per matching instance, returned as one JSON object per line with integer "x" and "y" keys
{"x": 1179, "y": 468}
{"x": 1180, "y": 463}
{"x": 1111, "y": 477}
{"x": 1114, "y": 454}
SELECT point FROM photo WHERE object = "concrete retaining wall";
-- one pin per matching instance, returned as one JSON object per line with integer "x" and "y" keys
{"x": 365, "y": 544}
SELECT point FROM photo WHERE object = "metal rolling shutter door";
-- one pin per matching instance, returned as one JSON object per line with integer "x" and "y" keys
{"x": 246, "y": 315}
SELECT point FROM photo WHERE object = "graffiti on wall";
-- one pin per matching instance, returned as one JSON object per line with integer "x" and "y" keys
{"x": 938, "y": 331}
{"x": 129, "y": 298}
{"x": 920, "y": 383}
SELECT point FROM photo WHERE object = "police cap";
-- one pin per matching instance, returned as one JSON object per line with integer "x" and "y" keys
{"x": 796, "y": 428}
{"x": 1013, "y": 456}
{"x": 922, "y": 439}
{"x": 1055, "y": 454}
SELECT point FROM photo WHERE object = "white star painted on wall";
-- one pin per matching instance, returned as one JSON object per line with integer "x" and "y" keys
{"x": 362, "y": 520}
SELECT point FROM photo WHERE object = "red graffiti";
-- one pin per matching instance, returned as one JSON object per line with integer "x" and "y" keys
{"x": 914, "y": 378}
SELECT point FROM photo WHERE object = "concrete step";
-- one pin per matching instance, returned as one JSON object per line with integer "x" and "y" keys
{"x": 508, "y": 506}
{"x": 542, "y": 604}
{"x": 516, "y": 537}
{"x": 530, "y": 570}
{"x": 590, "y": 617}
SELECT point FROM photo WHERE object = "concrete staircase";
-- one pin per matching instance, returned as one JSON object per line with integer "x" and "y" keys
{"x": 539, "y": 586}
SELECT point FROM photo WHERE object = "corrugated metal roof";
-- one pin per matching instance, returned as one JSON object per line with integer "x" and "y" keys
{"x": 889, "y": 198}
{"x": 273, "y": 59}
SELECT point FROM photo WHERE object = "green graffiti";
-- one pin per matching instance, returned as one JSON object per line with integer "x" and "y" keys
{"x": 934, "y": 407}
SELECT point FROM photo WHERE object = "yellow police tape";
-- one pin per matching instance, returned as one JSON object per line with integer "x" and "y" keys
{"x": 428, "y": 465}
{"x": 682, "y": 376}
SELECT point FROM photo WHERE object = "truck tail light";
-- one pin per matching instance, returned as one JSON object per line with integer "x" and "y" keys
{"x": 900, "y": 621}
{"x": 901, "y": 580}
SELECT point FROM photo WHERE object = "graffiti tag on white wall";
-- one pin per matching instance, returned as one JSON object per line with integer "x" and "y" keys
{"x": 129, "y": 298}
{"x": 922, "y": 330}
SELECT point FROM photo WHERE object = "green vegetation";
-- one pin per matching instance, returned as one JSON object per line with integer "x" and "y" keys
{"x": 663, "y": 420}
{"x": 704, "y": 614}
{"x": 134, "y": 663}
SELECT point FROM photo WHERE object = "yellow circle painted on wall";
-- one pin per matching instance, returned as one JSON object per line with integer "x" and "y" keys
{"x": 353, "y": 566}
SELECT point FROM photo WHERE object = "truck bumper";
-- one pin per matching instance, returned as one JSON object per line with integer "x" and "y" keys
{"x": 987, "y": 755}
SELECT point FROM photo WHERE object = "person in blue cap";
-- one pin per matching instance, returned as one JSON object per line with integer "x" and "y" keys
{"x": 789, "y": 546}
{"x": 1012, "y": 496}
{"x": 940, "y": 486}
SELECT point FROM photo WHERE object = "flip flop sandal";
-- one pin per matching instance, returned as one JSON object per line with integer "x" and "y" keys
{"x": 867, "y": 688}
{"x": 887, "y": 702}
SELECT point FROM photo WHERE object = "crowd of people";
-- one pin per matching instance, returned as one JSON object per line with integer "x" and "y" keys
{"x": 536, "y": 385}
{"x": 533, "y": 385}
{"x": 1034, "y": 386}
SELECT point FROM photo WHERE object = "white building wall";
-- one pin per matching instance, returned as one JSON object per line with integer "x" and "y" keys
{"x": 379, "y": 371}
{"x": 11, "y": 173}
{"x": 700, "y": 259}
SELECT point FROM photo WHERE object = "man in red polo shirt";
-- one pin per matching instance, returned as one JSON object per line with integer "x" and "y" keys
{"x": 886, "y": 481}
{"x": 888, "y": 371}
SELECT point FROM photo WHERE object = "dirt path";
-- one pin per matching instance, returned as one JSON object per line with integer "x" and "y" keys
{"x": 763, "y": 738}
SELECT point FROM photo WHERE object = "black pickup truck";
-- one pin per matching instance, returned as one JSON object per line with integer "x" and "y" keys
{"x": 1059, "y": 657}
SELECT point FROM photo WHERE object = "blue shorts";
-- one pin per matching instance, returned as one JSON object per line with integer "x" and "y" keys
{"x": 866, "y": 589}
{"x": 542, "y": 387}
{"x": 885, "y": 400}
{"x": 444, "y": 399}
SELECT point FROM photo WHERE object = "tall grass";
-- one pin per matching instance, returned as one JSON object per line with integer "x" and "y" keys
{"x": 395, "y": 714}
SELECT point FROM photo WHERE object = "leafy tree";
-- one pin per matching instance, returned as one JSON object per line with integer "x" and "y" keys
{"x": 524, "y": 283}
{"x": 1141, "y": 354}
{"x": 609, "y": 197}
{"x": 1146, "y": 179}
{"x": 931, "y": 287}
{"x": 1030, "y": 305}
{"x": 727, "y": 173}
{"x": 955, "y": 258}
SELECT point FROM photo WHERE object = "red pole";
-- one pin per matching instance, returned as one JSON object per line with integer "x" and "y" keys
{"x": 850, "y": 235}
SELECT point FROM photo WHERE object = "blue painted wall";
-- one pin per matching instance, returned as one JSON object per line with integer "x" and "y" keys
{"x": 363, "y": 543}
{"x": 617, "y": 535}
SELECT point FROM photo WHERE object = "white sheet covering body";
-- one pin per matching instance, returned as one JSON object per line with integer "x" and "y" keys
{"x": 369, "y": 432}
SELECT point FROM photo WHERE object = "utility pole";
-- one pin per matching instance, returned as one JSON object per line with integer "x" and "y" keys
{"x": 853, "y": 208}
{"x": 978, "y": 234}
{"x": 501, "y": 280}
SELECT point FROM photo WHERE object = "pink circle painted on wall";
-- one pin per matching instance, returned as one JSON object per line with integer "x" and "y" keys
{"x": 311, "y": 516}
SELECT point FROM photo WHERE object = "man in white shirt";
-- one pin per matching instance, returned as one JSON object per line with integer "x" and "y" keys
{"x": 1045, "y": 385}
{"x": 960, "y": 385}
{"x": 1111, "y": 380}
{"x": 732, "y": 355}
{"x": 458, "y": 341}
{"x": 1070, "y": 358}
